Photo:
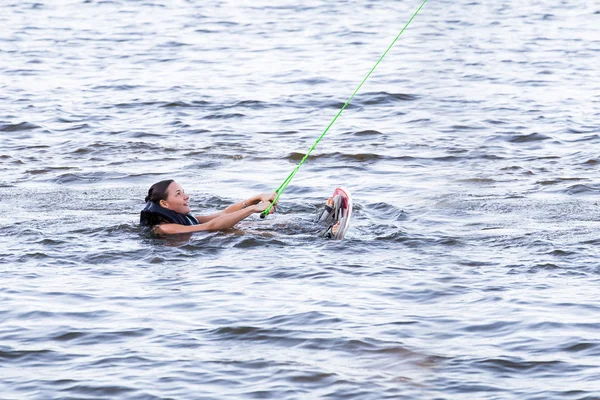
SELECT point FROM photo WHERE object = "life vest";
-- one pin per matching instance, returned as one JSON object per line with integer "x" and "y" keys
{"x": 153, "y": 214}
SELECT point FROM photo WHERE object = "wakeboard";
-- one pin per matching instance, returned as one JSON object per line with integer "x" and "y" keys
{"x": 335, "y": 217}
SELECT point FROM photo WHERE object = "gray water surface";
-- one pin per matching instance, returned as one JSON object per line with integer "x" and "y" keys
{"x": 470, "y": 269}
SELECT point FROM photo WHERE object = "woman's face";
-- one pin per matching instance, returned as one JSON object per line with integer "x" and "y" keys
{"x": 177, "y": 200}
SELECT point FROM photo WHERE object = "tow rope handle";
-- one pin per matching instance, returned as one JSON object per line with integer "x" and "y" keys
{"x": 264, "y": 214}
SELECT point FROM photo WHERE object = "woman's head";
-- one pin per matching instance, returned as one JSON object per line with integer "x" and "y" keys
{"x": 170, "y": 195}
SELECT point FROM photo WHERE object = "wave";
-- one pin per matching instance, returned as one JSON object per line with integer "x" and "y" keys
{"x": 23, "y": 126}
{"x": 359, "y": 157}
{"x": 533, "y": 137}
{"x": 378, "y": 98}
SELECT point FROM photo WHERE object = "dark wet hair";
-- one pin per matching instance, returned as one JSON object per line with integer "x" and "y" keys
{"x": 158, "y": 191}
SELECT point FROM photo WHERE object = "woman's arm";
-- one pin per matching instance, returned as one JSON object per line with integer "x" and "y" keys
{"x": 220, "y": 222}
{"x": 238, "y": 206}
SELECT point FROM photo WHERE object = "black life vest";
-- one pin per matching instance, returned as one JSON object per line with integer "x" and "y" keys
{"x": 153, "y": 214}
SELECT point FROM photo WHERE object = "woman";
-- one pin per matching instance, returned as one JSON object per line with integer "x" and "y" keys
{"x": 167, "y": 211}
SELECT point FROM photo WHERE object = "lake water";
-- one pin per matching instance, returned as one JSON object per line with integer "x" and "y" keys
{"x": 470, "y": 269}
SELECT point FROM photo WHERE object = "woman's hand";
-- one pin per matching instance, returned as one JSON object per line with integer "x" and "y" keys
{"x": 267, "y": 196}
{"x": 262, "y": 206}
{"x": 264, "y": 200}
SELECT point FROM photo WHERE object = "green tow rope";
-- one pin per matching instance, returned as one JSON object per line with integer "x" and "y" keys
{"x": 287, "y": 180}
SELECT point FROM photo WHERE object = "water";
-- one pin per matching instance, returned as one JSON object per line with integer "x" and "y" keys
{"x": 470, "y": 269}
